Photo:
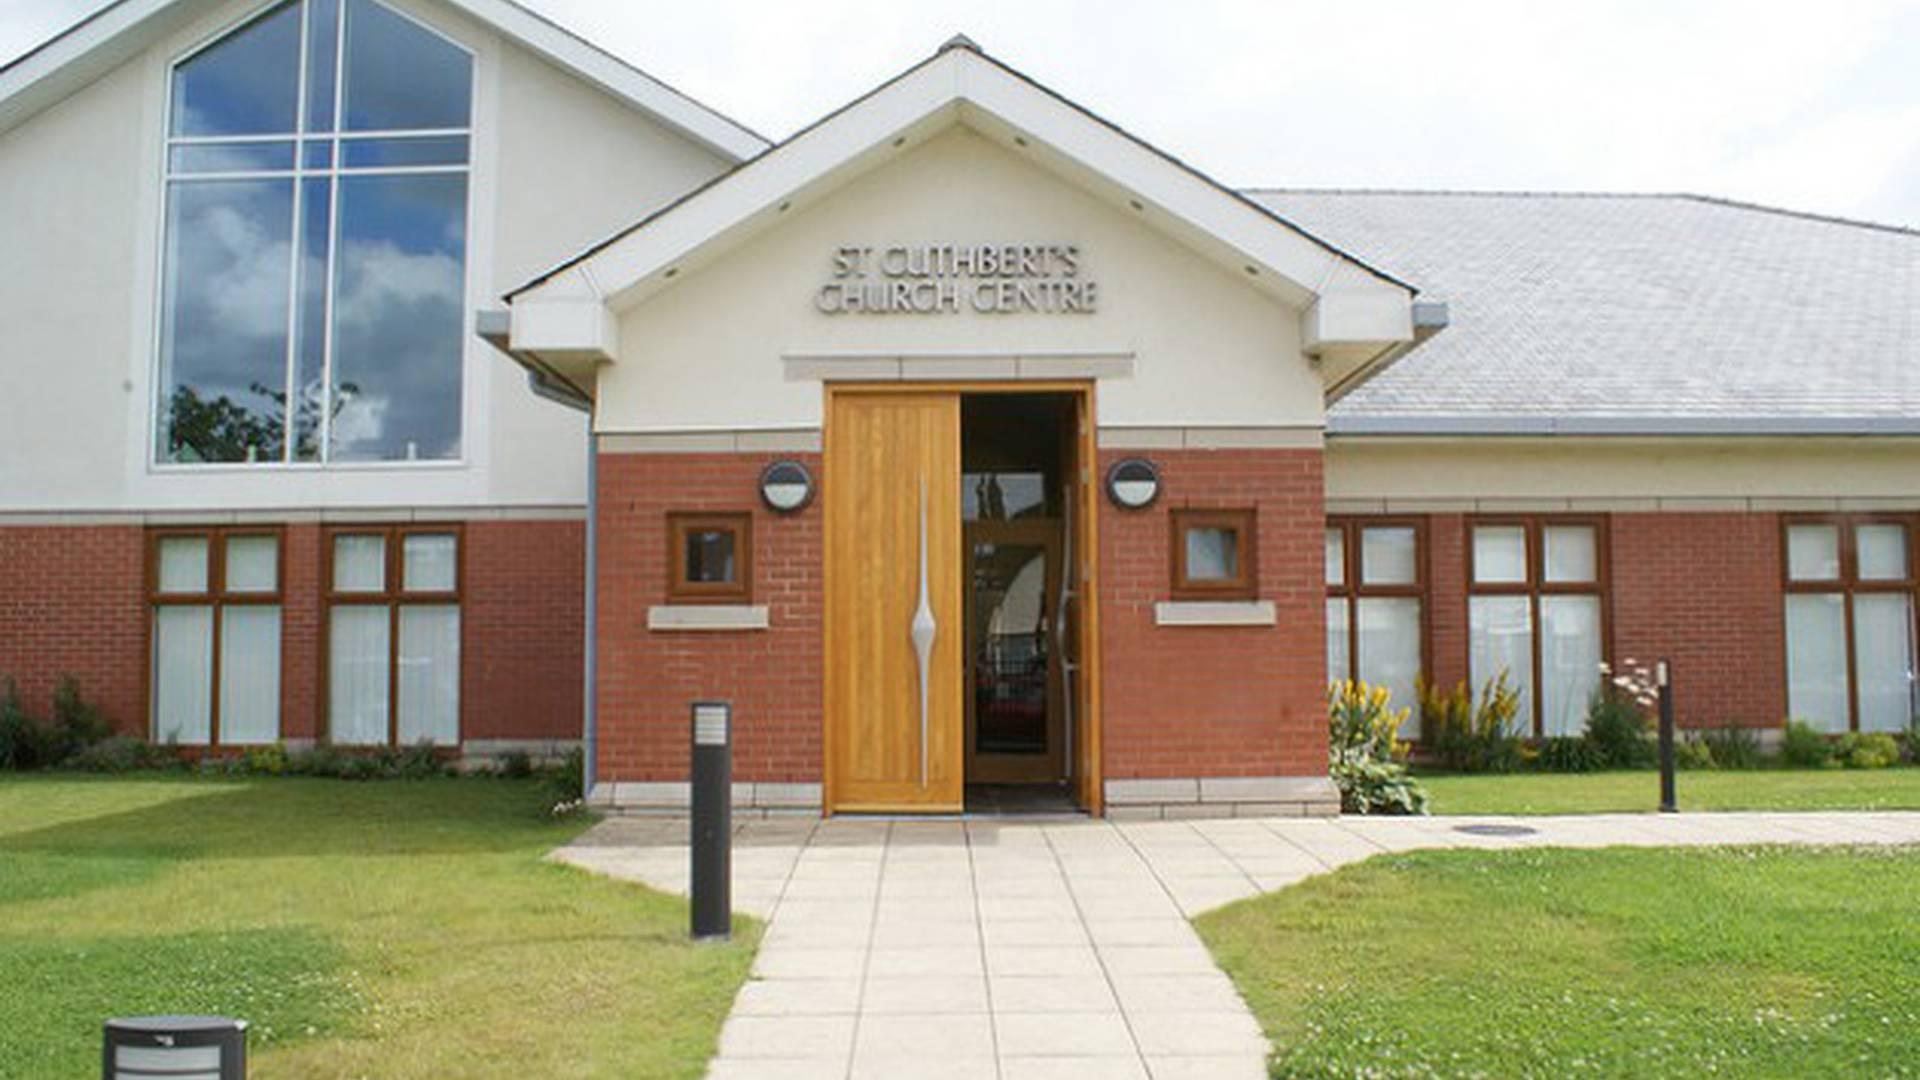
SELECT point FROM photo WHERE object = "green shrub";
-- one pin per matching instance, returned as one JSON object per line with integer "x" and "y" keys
{"x": 79, "y": 723}
{"x": 1804, "y": 748}
{"x": 1693, "y": 752}
{"x": 27, "y": 742}
{"x": 1377, "y": 787}
{"x": 322, "y": 759}
{"x": 266, "y": 760}
{"x": 1617, "y": 729}
{"x": 417, "y": 762}
{"x": 421, "y": 761}
{"x": 1365, "y": 755}
{"x": 1734, "y": 747}
{"x": 114, "y": 754}
{"x": 1870, "y": 750}
{"x": 515, "y": 765}
{"x": 1570, "y": 754}
{"x": 1469, "y": 735}
{"x": 565, "y": 782}
{"x": 22, "y": 739}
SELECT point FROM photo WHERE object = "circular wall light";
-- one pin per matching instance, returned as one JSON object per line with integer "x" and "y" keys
{"x": 1133, "y": 483}
{"x": 786, "y": 486}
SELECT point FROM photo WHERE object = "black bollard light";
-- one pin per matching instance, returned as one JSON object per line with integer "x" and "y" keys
{"x": 1664, "y": 677}
{"x": 712, "y": 824}
{"x": 205, "y": 1047}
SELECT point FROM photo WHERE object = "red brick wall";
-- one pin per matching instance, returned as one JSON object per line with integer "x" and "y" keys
{"x": 302, "y": 629}
{"x": 1447, "y": 645}
{"x": 1216, "y": 701}
{"x": 523, "y": 629}
{"x": 647, "y": 679}
{"x": 73, "y": 602}
{"x": 1703, "y": 590}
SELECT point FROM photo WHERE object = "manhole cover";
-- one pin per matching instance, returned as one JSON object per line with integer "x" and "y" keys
{"x": 1496, "y": 830}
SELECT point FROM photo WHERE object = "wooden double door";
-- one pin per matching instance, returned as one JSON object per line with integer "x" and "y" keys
{"x": 956, "y": 650}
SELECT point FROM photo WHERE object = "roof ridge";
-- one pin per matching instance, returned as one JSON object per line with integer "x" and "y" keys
{"x": 961, "y": 43}
{"x": 1532, "y": 193}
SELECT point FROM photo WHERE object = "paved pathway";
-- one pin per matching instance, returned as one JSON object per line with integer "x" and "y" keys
{"x": 1009, "y": 949}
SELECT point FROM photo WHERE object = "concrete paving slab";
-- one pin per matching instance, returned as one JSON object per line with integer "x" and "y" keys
{"x": 1056, "y": 949}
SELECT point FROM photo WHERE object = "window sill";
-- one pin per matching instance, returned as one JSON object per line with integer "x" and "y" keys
{"x": 707, "y": 617}
{"x": 1214, "y": 613}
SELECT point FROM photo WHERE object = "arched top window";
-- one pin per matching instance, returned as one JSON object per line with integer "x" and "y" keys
{"x": 313, "y": 292}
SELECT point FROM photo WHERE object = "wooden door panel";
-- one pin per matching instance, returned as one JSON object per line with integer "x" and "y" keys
{"x": 893, "y": 495}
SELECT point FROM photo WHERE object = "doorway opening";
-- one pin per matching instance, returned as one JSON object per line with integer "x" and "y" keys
{"x": 1019, "y": 455}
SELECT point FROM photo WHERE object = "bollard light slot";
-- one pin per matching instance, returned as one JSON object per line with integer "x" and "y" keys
{"x": 711, "y": 720}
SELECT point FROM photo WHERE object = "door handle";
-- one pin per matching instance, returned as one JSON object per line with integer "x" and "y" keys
{"x": 922, "y": 631}
{"x": 1060, "y": 633}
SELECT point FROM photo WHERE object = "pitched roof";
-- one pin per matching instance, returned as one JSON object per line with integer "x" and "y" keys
{"x": 1354, "y": 317}
{"x": 1633, "y": 314}
{"x": 114, "y": 33}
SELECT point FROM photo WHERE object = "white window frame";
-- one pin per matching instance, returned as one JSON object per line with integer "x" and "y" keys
{"x": 476, "y": 248}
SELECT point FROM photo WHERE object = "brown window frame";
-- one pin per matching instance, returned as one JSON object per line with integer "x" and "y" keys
{"x": 394, "y": 596}
{"x": 1243, "y": 586}
{"x": 1848, "y": 585}
{"x": 217, "y": 597}
{"x": 1352, "y": 590}
{"x": 737, "y": 591}
{"x": 1536, "y": 586}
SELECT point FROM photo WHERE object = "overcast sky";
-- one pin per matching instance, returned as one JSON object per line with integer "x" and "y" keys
{"x": 1812, "y": 106}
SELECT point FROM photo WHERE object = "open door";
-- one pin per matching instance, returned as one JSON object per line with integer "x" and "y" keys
{"x": 1077, "y": 622}
{"x": 894, "y": 614}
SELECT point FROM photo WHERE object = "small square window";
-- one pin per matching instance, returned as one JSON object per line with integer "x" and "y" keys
{"x": 182, "y": 565}
{"x": 1213, "y": 553}
{"x": 1880, "y": 552}
{"x": 429, "y": 562}
{"x": 710, "y": 556}
{"x": 1499, "y": 555}
{"x": 253, "y": 564}
{"x": 360, "y": 563}
{"x": 1813, "y": 552}
{"x": 1387, "y": 555}
{"x": 1571, "y": 553}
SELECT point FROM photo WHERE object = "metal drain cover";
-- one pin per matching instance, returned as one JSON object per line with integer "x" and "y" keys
{"x": 1496, "y": 830}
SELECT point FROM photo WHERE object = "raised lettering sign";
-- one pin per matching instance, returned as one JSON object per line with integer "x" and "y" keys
{"x": 945, "y": 279}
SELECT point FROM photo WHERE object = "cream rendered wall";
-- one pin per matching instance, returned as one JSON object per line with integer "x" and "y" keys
{"x": 1621, "y": 473}
{"x": 557, "y": 164}
{"x": 577, "y": 166}
{"x": 1209, "y": 350}
{"x": 69, "y": 195}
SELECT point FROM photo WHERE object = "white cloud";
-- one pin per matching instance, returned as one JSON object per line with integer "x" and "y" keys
{"x": 1719, "y": 96}
{"x": 243, "y": 273}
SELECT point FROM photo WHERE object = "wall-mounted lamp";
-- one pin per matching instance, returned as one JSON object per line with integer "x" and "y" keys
{"x": 786, "y": 486}
{"x": 1133, "y": 483}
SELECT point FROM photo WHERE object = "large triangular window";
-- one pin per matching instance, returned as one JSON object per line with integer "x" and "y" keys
{"x": 314, "y": 275}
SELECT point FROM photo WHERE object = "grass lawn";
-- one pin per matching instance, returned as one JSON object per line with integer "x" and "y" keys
{"x": 1635, "y": 963}
{"x": 393, "y": 929}
{"x": 1757, "y": 789}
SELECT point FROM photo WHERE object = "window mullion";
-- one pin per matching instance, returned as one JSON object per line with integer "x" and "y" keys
{"x": 324, "y": 423}
{"x": 290, "y": 407}
{"x": 1536, "y": 571}
{"x": 295, "y": 234}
